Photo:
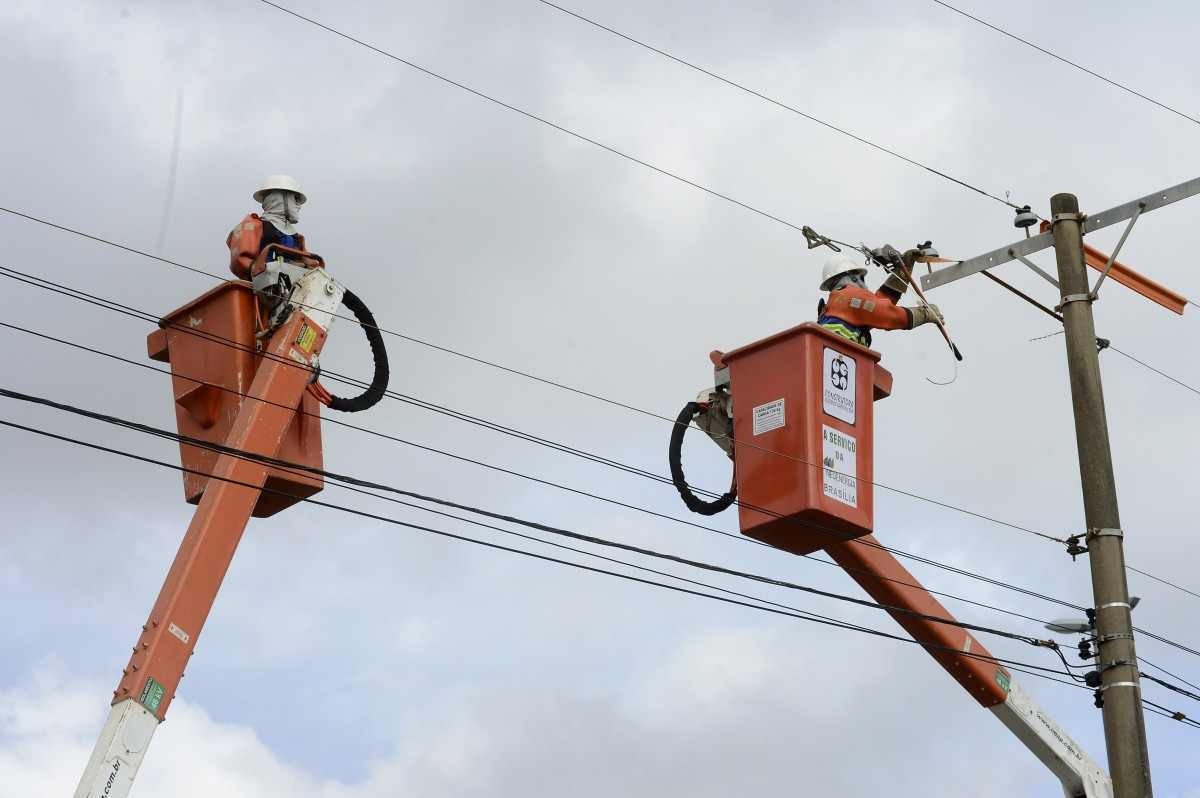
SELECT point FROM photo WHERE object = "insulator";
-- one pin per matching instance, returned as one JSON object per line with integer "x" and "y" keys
{"x": 1025, "y": 217}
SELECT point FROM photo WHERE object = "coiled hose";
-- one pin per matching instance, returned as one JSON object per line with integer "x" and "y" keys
{"x": 379, "y": 381}
{"x": 674, "y": 455}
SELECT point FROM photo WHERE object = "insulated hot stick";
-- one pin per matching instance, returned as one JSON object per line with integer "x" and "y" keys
{"x": 941, "y": 325}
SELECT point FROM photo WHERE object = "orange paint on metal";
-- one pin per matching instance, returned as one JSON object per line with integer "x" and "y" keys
{"x": 782, "y": 386}
{"x": 169, "y": 635}
{"x": 890, "y": 584}
{"x": 210, "y": 345}
{"x": 1155, "y": 292}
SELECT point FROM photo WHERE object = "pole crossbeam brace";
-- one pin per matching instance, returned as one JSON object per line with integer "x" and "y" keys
{"x": 1028, "y": 246}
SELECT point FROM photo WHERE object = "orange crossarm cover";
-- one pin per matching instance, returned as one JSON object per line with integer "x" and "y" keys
{"x": 864, "y": 308}
{"x": 1155, "y": 292}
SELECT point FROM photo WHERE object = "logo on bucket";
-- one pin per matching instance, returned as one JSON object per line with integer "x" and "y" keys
{"x": 837, "y": 394}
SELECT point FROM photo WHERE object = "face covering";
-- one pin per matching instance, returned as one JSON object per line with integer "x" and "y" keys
{"x": 849, "y": 279}
{"x": 281, "y": 209}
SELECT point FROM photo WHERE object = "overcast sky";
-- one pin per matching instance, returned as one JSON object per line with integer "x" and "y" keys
{"x": 351, "y": 659}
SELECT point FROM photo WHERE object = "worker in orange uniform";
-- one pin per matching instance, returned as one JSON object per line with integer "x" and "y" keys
{"x": 281, "y": 198}
{"x": 853, "y": 310}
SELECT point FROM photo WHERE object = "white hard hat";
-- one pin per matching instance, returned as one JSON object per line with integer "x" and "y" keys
{"x": 280, "y": 183}
{"x": 838, "y": 265}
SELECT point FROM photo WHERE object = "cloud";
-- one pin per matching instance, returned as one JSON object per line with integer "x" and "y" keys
{"x": 725, "y": 712}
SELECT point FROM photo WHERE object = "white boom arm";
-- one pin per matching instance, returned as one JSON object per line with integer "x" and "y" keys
{"x": 1080, "y": 776}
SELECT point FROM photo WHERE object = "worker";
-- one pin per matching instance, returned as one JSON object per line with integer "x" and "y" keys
{"x": 853, "y": 310}
{"x": 281, "y": 198}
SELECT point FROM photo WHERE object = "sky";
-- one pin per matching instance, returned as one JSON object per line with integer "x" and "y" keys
{"x": 348, "y": 658}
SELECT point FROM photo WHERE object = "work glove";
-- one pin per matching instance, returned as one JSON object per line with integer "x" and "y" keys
{"x": 925, "y": 314}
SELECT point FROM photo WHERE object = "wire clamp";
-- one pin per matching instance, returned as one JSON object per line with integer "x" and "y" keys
{"x": 1073, "y": 547}
{"x": 1104, "y": 532}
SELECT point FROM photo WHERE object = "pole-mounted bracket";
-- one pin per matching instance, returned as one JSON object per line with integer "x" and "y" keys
{"x": 1104, "y": 532}
{"x": 1114, "y": 636}
{"x": 1069, "y": 298}
{"x": 1095, "y": 292}
{"x": 1068, "y": 217}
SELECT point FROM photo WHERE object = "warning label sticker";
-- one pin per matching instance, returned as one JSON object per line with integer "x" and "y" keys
{"x": 768, "y": 417}
{"x": 306, "y": 338}
{"x": 838, "y": 385}
{"x": 839, "y": 455}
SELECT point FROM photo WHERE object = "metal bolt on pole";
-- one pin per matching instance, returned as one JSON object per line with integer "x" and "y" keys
{"x": 1124, "y": 724}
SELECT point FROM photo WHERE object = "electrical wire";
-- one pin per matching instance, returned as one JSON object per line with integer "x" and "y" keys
{"x": 500, "y": 469}
{"x": 301, "y": 470}
{"x": 366, "y": 486}
{"x": 1178, "y": 382}
{"x": 779, "y": 104}
{"x": 1159, "y": 709}
{"x": 1172, "y": 675}
{"x": 766, "y": 606}
{"x": 145, "y": 316}
{"x": 883, "y": 486}
{"x": 1172, "y": 687}
{"x": 1068, "y": 62}
{"x": 1030, "y": 668}
{"x": 530, "y": 115}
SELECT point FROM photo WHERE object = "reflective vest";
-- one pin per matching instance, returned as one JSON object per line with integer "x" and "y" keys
{"x": 852, "y": 312}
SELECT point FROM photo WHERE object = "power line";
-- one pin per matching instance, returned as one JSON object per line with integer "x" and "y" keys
{"x": 778, "y": 103}
{"x": 553, "y": 383}
{"x": 1068, "y": 62}
{"x": 500, "y": 469}
{"x": 145, "y": 316}
{"x": 1172, "y": 675}
{"x": 301, "y": 469}
{"x": 534, "y": 117}
{"x": 108, "y": 304}
{"x": 811, "y": 617}
{"x": 1160, "y": 373}
{"x": 766, "y": 606}
{"x": 581, "y": 392}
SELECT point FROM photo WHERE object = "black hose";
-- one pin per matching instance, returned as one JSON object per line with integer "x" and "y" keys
{"x": 379, "y": 382}
{"x": 674, "y": 454}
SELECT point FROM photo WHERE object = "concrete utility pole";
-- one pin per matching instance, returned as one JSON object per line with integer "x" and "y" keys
{"x": 1124, "y": 724}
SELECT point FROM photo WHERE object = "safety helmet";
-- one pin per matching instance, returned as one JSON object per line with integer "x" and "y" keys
{"x": 280, "y": 183}
{"x": 838, "y": 265}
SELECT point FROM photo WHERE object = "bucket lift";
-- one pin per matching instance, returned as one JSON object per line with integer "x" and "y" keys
{"x": 244, "y": 362}
{"x": 794, "y": 411}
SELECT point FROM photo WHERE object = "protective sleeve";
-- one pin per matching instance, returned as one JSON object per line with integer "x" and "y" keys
{"x": 877, "y": 310}
{"x": 244, "y": 242}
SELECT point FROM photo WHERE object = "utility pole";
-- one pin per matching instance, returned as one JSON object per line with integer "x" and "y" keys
{"x": 1120, "y": 692}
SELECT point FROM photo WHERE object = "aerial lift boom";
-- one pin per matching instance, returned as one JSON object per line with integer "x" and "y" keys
{"x": 794, "y": 411}
{"x": 168, "y": 638}
{"x": 958, "y": 651}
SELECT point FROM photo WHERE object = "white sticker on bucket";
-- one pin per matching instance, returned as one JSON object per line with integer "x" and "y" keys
{"x": 839, "y": 455}
{"x": 838, "y": 385}
{"x": 768, "y": 417}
